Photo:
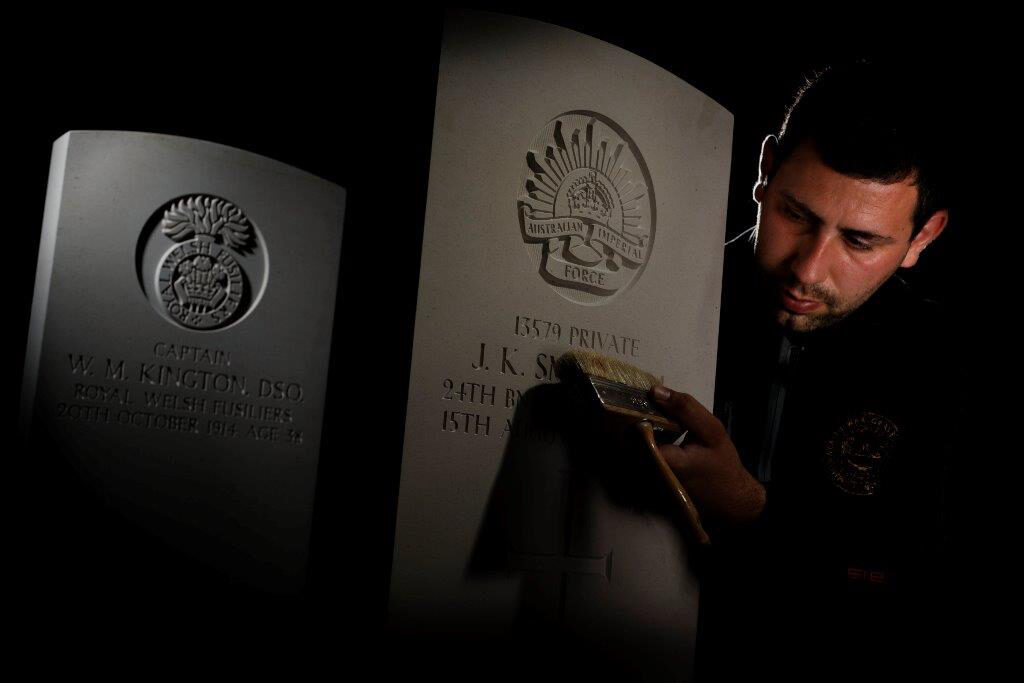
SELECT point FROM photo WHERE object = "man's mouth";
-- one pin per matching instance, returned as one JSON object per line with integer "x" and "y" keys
{"x": 795, "y": 304}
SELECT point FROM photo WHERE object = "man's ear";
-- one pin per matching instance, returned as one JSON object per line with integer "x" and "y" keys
{"x": 769, "y": 148}
{"x": 928, "y": 233}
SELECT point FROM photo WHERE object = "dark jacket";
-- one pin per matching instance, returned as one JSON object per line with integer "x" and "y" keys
{"x": 850, "y": 429}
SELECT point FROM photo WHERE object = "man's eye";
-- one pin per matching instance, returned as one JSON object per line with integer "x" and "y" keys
{"x": 858, "y": 243}
{"x": 792, "y": 213}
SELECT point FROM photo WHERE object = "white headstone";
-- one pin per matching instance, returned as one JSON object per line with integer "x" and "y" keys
{"x": 180, "y": 332}
{"x": 577, "y": 198}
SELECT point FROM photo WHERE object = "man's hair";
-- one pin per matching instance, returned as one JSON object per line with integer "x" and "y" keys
{"x": 870, "y": 122}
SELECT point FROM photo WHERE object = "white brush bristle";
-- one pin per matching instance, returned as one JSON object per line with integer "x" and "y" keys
{"x": 611, "y": 369}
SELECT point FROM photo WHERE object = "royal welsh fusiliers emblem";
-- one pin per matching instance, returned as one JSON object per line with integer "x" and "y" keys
{"x": 197, "y": 249}
{"x": 856, "y": 453}
{"x": 586, "y": 207}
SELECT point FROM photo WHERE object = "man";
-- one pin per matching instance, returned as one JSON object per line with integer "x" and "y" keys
{"x": 821, "y": 479}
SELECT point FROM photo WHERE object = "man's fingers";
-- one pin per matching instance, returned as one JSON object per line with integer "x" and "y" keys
{"x": 684, "y": 460}
{"x": 691, "y": 414}
{"x": 674, "y": 456}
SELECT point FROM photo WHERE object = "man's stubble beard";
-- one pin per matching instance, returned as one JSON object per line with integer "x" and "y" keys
{"x": 808, "y": 322}
{"x": 835, "y": 309}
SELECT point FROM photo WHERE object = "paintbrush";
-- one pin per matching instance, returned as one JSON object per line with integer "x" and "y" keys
{"x": 623, "y": 392}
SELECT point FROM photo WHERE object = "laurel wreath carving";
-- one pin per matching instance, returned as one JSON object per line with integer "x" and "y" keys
{"x": 207, "y": 216}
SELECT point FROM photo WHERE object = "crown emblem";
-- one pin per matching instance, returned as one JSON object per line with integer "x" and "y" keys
{"x": 590, "y": 199}
{"x": 204, "y": 283}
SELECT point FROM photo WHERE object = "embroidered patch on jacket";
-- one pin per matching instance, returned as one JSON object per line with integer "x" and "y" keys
{"x": 856, "y": 452}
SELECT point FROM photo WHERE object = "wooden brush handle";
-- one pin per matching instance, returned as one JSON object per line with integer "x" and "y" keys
{"x": 689, "y": 510}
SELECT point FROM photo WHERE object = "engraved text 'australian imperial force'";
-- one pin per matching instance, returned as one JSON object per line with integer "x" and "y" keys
{"x": 201, "y": 262}
{"x": 586, "y": 207}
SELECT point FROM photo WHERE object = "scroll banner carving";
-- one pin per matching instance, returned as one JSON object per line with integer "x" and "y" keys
{"x": 563, "y": 234}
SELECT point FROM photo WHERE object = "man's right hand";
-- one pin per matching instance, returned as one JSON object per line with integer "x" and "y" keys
{"x": 708, "y": 464}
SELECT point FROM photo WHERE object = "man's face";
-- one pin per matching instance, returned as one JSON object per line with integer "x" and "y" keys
{"x": 827, "y": 241}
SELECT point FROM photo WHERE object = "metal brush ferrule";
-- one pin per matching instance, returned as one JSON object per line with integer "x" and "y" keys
{"x": 630, "y": 401}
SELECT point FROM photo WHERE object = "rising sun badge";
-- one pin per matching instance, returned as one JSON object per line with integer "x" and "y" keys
{"x": 586, "y": 207}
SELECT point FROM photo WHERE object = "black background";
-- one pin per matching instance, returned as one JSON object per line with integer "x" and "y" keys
{"x": 350, "y": 98}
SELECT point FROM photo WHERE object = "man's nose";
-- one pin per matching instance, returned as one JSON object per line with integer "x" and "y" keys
{"x": 810, "y": 263}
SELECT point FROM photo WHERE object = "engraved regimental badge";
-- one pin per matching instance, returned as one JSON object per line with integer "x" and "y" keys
{"x": 201, "y": 262}
{"x": 856, "y": 453}
{"x": 586, "y": 207}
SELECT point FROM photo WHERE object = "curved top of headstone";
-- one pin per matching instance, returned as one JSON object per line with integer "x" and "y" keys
{"x": 187, "y": 144}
